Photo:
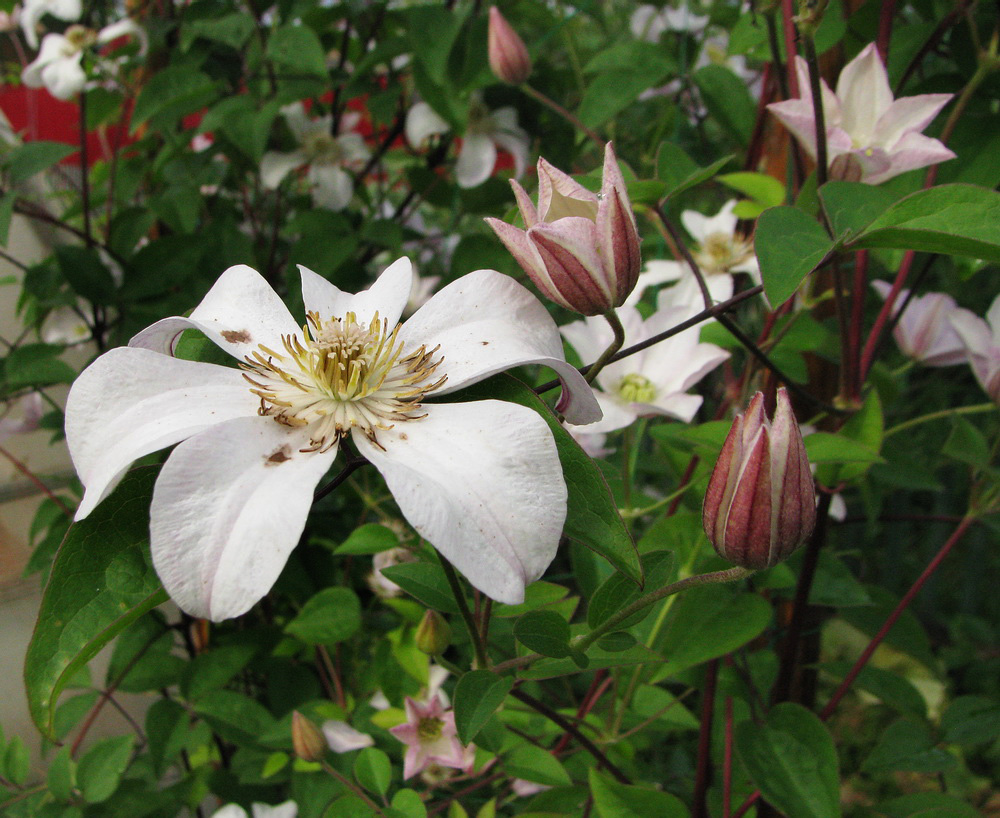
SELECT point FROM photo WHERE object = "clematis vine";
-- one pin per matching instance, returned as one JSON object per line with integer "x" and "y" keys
{"x": 326, "y": 155}
{"x": 486, "y": 132}
{"x": 924, "y": 332}
{"x": 430, "y": 737}
{"x": 720, "y": 253}
{"x": 982, "y": 344}
{"x": 870, "y": 136}
{"x": 59, "y": 64}
{"x": 651, "y": 382}
{"x": 480, "y": 481}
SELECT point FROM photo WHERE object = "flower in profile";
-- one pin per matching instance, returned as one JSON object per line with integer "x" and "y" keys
{"x": 508, "y": 55}
{"x": 581, "y": 249}
{"x": 326, "y": 154}
{"x": 924, "y": 331}
{"x": 342, "y": 738}
{"x": 870, "y": 136}
{"x": 982, "y": 344}
{"x": 430, "y": 737}
{"x": 29, "y": 421}
{"x": 58, "y": 66}
{"x": 720, "y": 252}
{"x": 485, "y": 132}
{"x": 760, "y": 504}
{"x": 649, "y": 22}
{"x": 651, "y": 382}
{"x": 289, "y": 809}
{"x": 32, "y": 11}
{"x": 481, "y": 481}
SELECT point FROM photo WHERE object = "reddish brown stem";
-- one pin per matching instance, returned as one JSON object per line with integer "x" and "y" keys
{"x": 17, "y": 464}
{"x": 788, "y": 26}
{"x": 727, "y": 760}
{"x": 884, "y": 315}
{"x": 858, "y": 292}
{"x": 703, "y": 771}
{"x": 885, "y": 28}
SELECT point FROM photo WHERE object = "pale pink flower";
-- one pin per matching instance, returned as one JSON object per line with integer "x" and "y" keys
{"x": 924, "y": 331}
{"x": 31, "y": 416}
{"x": 342, "y": 738}
{"x": 430, "y": 737}
{"x": 982, "y": 343}
{"x": 523, "y": 788}
{"x": 870, "y": 137}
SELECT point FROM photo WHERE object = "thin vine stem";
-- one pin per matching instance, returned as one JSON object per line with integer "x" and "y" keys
{"x": 482, "y": 657}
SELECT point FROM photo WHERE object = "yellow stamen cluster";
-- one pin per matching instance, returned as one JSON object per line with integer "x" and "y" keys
{"x": 429, "y": 728}
{"x": 720, "y": 252}
{"x": 343, "y": 375}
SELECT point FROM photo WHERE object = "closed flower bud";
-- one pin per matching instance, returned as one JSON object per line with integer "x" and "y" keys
{"x": 760, "y": 504}
{"x": 581, "y": 249}
{"x": 307, "y": 739}
{"x": 509, "y": 59}
{"x": 433, "y": 634}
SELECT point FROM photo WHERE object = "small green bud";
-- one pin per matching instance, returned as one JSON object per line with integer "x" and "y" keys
{"x": 433, "y": 634}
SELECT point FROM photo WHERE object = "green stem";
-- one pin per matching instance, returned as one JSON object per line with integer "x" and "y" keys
{"x": 360, "y": 793}
{"x": 616, "y": 326}
{"x": 482, "y": 659}
{"x": 964, "y": 410}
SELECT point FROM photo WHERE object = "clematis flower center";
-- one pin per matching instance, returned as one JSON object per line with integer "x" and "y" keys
{"x": 78, "y": 38}
{"x": 322, "y": 148}
{"x": 635, "y": 388}
{"x": 429, "y": 728}
{"x": 342, "y": 375}
{"x": 720, "y": 252}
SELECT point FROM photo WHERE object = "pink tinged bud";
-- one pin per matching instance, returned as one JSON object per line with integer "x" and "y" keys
{"x": 760, "y": 504}
{"x": 509, "y": 59}
{"x": 581, "y": 249}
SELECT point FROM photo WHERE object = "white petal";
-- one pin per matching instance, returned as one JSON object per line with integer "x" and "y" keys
{"x": 423, "y": 122}
{"x": 298, "y": 120}
{"x": 240, "y": 312}
{"x": 228, "y": 508}
{"x": 332, "y": 186}
{"x": 864, "y": 94}
{"x": 275, "y": 166}
{"x": 617, "y": 415}
{"x": 65, "y": 78}
{"x": 476, "y": 159}
{"x": 342, "y": 738}
{"x": 657, "y": 272}
{"x": 589, "y": 337}
{"x": 54, "y": 47}
{"x": 696, "y": 224}
{"x": 387, "y": 296}
{"x": 486, "y": 323}
{"x": 125, "y": 28}
{"x": 993, "y": 319}
{"x": 230, "y": 811}
{"x": 132, "y": 402}
{"x": 287, "y": 809}
{"x": 482, "y": 483}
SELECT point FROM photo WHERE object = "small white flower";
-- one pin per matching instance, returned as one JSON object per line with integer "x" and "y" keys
{"x": 485, "y": 133}
{"x": 32, "y": 12}
{"x": 651, "y": 382}
{"x": 480, "y": 481}
{"x": 342, "y": 738}
{"x": 289, "y": 809}
{"x": 649, "y": 22}
{"x": 326, "y": 155}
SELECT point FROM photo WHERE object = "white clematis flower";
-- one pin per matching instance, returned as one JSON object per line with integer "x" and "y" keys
{"x": 289, "y": 809}
{"x": 32, "y": 12}
{"x": 651, "y": 382}
{"x": 720, "y": 253}
{"x": 325, "y": 154}
{"x": 486, "y": 131}
{"x": 481, "y": 481}
{"x": 58, "y": 65}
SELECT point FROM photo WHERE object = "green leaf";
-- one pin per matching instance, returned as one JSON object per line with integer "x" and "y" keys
{"x": 892, "y": 689}
{"x": 36, "y": 365}
{"x": 370, "y": 538}
{"x": 425, "y": 582}
{"x": 679, "y": 172}
{"x": 26, "y": 160}
{"x": 231, "y": 29}
{"x": 62, "y": 775}
{"x": 235, "y": 717}
{"x": 825, "y": 447}
{"x": 432, "y": 51}
{"x": 961, "y": 220}
{"x": 297, "y": 48}
{"x": 536, "y": 595}
{"x": 536, "y": 764}
{"x": 597, "y": 658}
{"x": 966, "y": 444}
{"x": 792, "y": 761}
{"x": 477, "y": 696}
{"x": 83, "y": 269}
{"x": 172, "y": 93}
{"x": 708, "y": 622}
{"x": 332, "y": 615}
{"x": 851, "y": 206}
{"x": 16, "y": 761}
{"x": 760, "y": 187}
{"x": 409, "y": 803}
{"x": 835, "y": 585}
{"x": 971, "y": 720}
{"x": 100, "y": 583}
{"x": 789, "y": 244}
{"x": 373, "y": 770}
{"x": 728, "y": 101}
{"x": 592, "y": 516}
{"x": 616, "y": 591}
{"x": 212, "y": 670}
{"x": 907, "y": 745}
{"x": 544, "y": 632}
{"x": 617, "y": 641}
{"x": 101, "y": 768}
{"x": 7, "y": 202}
{"x": 927, "y": 805}
{"x": 614, "y": 800}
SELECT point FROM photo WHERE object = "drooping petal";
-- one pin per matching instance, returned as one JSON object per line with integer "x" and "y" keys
{"x": 387, "y": 296}
{"x": 332, "y": 186}
{"x": 342, "y": 738}
{"x": 485, "y": 323}
{"x": 126, "y": 27}
{"x": 482, "y": 483}
{"x": 423, "y": 122}
{"x": 65, "y": 78}
{"x": 476, "y": 160}
{"x": 32, "y": 12}
{"x": 908, "y": 114}
{"x": 132, "y": 402}
{"x": 864, "y": 94}
{"x": 54, "y": 49}
{"x": 275, "y": 166}
{"x": 911, "y": 152}
{"x": 240, "y": 312}
{"x": 228, "y": 507}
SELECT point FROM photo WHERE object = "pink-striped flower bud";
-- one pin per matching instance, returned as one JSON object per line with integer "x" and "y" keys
{"x": 581, "y": 249}
{"x": 760, "y": 504}
{"x": 509, "y": 58}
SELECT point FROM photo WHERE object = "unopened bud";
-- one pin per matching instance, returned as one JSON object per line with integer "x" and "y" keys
{"x": 307, "y": 739}
{"x": 433, "y": 634}
{"x": 509, "y": 58}
{"x": 760, "y": 504}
